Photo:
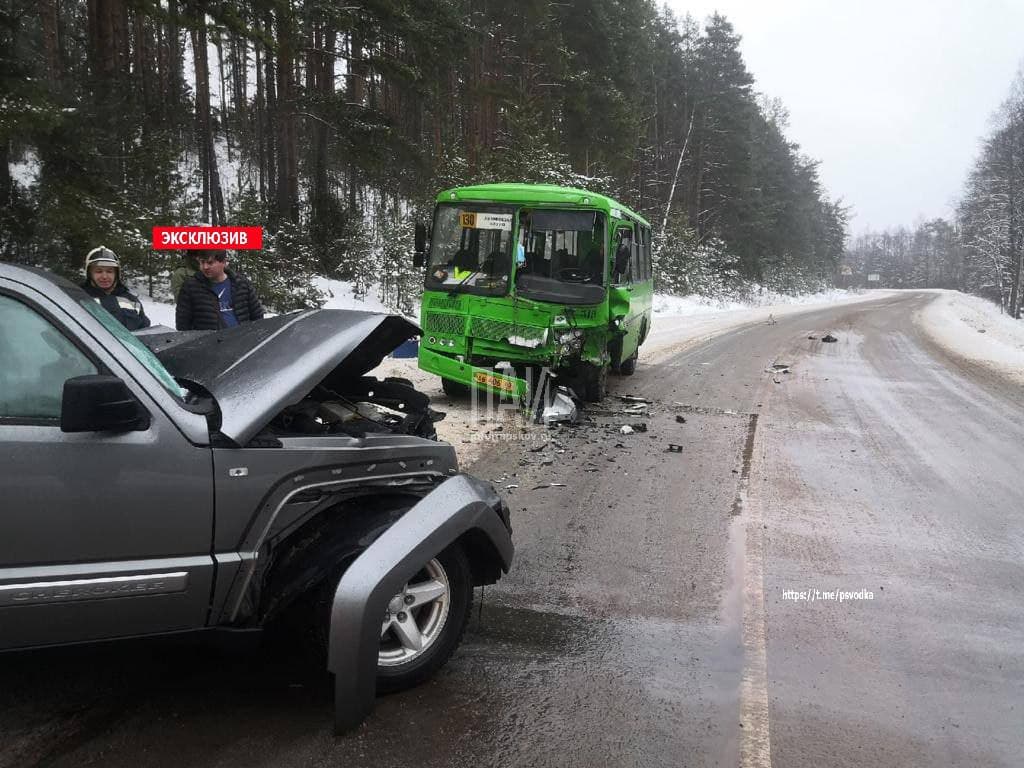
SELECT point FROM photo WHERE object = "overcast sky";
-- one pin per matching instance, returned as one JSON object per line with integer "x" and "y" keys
{"x": 892, "y": 97}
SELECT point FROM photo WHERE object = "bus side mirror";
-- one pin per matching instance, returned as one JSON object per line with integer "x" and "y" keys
{"x": 418, "y": 258}
{"x": 622, "y": 254}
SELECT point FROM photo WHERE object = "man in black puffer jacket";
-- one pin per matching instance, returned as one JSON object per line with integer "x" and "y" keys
{"x": 215, "y": 297}
{"x": 103, "y": 283}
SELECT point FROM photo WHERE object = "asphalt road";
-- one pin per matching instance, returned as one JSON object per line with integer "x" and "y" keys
{"x": 655, "y": 612}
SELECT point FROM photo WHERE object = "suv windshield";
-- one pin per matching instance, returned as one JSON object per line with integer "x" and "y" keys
{"x": 139, "y": 350}
{"x": 471, "y": 249}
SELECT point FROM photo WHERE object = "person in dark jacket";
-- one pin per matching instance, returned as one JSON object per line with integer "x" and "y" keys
{"x": 103, "y": 283}
{"x": 215, "y": 297}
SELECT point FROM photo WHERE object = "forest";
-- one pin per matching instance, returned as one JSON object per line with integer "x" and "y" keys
{"x": 981, "y": 249}
{"x": 334, "y": 126}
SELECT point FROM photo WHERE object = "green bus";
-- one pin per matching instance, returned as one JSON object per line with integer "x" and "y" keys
{"x": 539, "y": 276}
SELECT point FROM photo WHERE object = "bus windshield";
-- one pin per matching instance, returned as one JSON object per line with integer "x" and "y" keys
{"x": 471, "y": 249}
{"x": 567, "y": 246}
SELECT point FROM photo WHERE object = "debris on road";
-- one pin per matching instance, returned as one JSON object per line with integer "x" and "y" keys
{"x": 780, "y": 368}
{"x": 680, "y": 419}
{"x": 626, "y": 429}
{"x": 813, "y": 338}
{"x": 829, "y": 339}
{"x": 633, "y": 399}
{"x": 776, "y": 379}
{"x": 542, "y": 486}
{"x": 674, "y": 448}
{"x": 639, "y": 427}
{"x": 561, "y": 409}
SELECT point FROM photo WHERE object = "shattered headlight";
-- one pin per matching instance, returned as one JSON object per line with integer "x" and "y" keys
{"x": 570, "y": 341}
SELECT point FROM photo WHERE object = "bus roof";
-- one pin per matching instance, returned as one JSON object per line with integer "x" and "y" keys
{"x": 535, "y": 193}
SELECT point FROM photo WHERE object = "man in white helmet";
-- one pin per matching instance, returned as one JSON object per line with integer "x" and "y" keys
{"x": 103, "y": 283}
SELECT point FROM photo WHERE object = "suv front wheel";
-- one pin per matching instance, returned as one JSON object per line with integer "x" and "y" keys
{"x": 424, "y": 622}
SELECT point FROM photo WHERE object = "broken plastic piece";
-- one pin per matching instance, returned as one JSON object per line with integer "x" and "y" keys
{"x": 673, "y": 448}
{"x": 829, "y": 338}
{"x": 561, "y": 409}
{"x": 626, "y": 429}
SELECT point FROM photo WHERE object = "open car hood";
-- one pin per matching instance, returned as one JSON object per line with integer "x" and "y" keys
{"x": 257, "y": 369}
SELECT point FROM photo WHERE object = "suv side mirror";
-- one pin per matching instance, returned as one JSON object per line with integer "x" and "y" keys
{"x": 100, "y": 404}
{"x": 421, "y": 245}
{"x": 622, "y": 254}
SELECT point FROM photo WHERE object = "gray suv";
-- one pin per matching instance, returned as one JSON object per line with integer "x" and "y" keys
{"x": 232, "y": 481}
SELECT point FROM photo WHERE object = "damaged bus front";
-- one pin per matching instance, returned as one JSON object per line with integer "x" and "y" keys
{"x": 542, "y": 277}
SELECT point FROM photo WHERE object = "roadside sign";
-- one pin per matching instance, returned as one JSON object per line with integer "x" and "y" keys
{"x": 874, "y": 277}
{"x": 845, "y": 270}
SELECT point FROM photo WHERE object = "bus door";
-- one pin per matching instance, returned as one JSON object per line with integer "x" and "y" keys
{"x": 626, "y": 279}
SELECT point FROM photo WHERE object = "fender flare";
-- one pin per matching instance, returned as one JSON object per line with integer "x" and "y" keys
{"x": 457, "y": 506}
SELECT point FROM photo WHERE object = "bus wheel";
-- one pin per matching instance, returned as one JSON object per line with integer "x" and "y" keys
{"x": 595, "y": 382}
{"x": 454, "y": 389}
{"x": 628, "y": 367}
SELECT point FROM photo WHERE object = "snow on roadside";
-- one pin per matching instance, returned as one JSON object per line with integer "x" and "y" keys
{"x": 976, "y": 329}
{"x": 681, "y": 322}
{"x": 158, "y": 312}
{"x": 341, "y": 295}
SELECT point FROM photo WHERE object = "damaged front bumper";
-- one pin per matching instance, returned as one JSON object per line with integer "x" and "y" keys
{"x": 473, "y": 376}
{"x": 459, "y": 505}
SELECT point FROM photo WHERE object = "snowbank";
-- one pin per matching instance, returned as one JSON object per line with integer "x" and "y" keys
{"x": 701, "y": 305}
{"x": 976, "y": 329}
{"x": 681, "y": 322}
{"x": 342, "y": 295}
{"x": 159, "y": 312}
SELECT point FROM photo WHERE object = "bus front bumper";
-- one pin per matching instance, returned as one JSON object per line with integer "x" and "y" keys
{"x": 472, "y": 376}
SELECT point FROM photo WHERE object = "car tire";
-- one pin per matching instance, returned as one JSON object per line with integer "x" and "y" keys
{"x": 628, "y": 367}
{"x": 595, "y": 382}
{"x": 302, "y": 635}
{"x": 454, "y": 389}
{"x": 440, "y": 622}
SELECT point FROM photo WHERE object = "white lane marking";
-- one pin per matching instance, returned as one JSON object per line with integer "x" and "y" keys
{"x": 755, "y": 739}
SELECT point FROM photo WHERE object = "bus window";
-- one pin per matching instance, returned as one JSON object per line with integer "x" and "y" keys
{"x": 624, "y": 236}
{"x": 646, "y": 254}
